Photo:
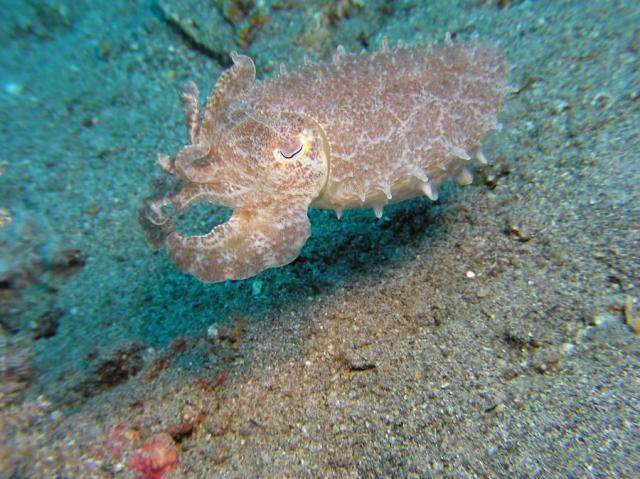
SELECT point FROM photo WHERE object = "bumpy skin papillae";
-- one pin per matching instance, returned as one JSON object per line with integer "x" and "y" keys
{"x": 363, "y": 131}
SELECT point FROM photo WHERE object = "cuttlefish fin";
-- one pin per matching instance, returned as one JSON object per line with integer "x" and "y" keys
{"x": 253, "y": 240}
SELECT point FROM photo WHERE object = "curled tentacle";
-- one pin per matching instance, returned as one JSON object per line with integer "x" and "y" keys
{"x": 192, "y": 165}
{"x": 156, "y": 224}
{"x": 251, "y": 241}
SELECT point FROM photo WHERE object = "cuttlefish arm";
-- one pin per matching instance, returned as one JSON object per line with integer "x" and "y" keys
{"x": 267, "y": 165}
{"x": 156, "y": 223}
{"x": 191, "y": 163}
{"x": 251, "y": 241}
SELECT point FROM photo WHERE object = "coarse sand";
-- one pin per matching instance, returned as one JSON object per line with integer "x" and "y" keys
{"x": 487, "y": 334}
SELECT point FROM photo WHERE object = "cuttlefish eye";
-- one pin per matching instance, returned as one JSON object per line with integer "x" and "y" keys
{"x": 290, "y": 152}
{"x": 294, "y": 150}
{"x": 284, "y": 153}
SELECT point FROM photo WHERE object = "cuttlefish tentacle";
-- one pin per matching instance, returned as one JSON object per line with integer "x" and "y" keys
{"x": 186, "y": 165}
{"x": 232, "y": 85}
{"x": 157, "y": 224}
{"x": 189, "y": 94}
{"x": 155, "y": 221}
{"x": 193, "y": 193}
{"x": 193, "y": 162}
{"x": 192, "y": 165}
{"x": 252, "y": 240}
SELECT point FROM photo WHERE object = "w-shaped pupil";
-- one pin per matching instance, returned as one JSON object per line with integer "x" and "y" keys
{"x": 292, "y": 154}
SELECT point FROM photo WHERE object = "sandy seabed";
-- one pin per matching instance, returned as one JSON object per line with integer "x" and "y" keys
{"x": 488, "y": 334}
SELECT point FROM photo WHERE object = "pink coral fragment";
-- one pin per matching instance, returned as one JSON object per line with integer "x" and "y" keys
{"x": 156, "y": 457}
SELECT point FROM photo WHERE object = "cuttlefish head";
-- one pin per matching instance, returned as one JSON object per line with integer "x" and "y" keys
{"x": 268, "y": 165}
{"x": 260, "y": 160}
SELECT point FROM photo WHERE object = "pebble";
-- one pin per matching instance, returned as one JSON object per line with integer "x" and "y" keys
{"x": 13, "y": 88}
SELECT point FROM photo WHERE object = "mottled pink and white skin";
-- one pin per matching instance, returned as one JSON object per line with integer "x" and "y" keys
{"x": 360, "y": 132}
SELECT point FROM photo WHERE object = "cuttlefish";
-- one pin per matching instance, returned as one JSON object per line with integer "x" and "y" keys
{"x": 361, "y": 131}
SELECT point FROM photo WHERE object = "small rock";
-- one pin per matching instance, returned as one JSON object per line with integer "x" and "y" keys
{"x": 13, "y": 88}
{"x": 482, "y": 292}
{"x": 46, "y": 325}
{"x": 69, "y": 261}
{"x": 519, "y": 231}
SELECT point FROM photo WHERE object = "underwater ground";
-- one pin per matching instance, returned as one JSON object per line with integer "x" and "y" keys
{"x": 492, "y": 333}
